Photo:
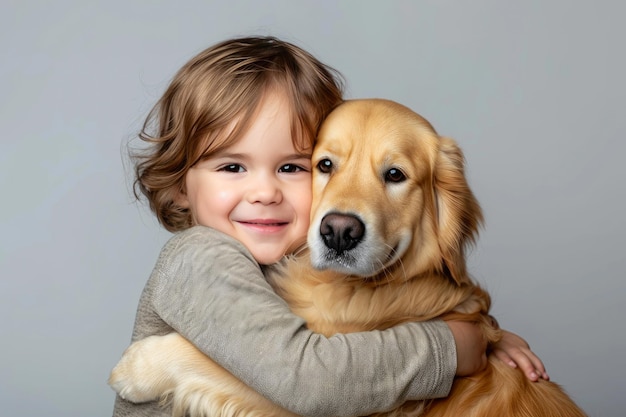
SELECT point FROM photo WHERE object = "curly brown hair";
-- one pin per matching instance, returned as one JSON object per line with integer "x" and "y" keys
{"x": 210, "y": 103}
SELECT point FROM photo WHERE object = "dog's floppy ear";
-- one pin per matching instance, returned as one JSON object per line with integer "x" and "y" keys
{"x": 458, "y": 214}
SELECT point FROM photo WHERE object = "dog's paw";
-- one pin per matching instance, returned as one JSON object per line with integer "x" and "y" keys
{"x": 141, "y": 375}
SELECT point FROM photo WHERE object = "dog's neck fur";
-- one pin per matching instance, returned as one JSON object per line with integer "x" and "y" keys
{"x": 332, "y": 302}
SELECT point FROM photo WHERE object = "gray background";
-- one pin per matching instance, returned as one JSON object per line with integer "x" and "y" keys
{"x": 533, "y": 91}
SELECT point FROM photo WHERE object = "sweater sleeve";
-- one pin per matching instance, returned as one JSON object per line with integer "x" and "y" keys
{"x": 211, "y": 290}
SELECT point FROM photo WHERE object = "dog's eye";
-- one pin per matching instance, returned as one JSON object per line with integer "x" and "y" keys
{"x": 325, "y": 166}
{"x": 394, "y": 175}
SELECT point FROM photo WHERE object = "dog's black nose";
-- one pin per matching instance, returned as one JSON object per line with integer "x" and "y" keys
{"x": 341, "y": 232}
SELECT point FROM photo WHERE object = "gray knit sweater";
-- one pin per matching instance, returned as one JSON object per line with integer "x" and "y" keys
{"x": 209, "y": 288}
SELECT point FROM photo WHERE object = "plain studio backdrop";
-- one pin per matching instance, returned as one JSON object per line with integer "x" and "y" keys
{"x": 533, "y": 91}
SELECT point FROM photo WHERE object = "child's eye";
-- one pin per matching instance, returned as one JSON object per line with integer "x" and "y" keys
{"x": 232, "y": 168}
{"x": 291, "y": 168}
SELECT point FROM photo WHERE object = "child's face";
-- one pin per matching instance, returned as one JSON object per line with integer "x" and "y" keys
{"x": 258, "y": 190}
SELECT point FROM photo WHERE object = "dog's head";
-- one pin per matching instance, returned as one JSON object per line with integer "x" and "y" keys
{"x": 388, "y": 193}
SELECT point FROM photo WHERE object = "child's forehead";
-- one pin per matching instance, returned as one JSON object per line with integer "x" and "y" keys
{"x": 273, "y": 103}
{"x": 275, "y": 100}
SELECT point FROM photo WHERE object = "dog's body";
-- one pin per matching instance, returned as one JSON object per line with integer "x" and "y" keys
{"x": 392, "y": 214}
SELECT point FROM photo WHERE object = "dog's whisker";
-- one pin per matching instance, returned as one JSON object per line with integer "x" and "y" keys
{"x": 398, "y": 263}
{"x": 300, "y": 250}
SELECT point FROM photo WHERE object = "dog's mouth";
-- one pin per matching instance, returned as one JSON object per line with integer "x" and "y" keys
{"x": 344, "y": 261}
{"x": 358, "y": 263}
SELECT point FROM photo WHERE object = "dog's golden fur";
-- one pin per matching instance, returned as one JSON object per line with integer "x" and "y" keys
{"x": 385, "y": 166}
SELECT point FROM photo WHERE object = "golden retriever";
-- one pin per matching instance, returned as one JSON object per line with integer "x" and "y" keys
{"x": 391, "y": 217}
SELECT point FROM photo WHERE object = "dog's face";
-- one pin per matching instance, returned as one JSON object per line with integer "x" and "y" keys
{"x": 388, "y": 192}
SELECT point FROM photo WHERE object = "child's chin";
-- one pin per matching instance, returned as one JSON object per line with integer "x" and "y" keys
{"x": 267, "y": 258}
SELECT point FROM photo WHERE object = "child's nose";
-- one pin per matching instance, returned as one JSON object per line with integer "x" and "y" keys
{"x": 265, "y": 190}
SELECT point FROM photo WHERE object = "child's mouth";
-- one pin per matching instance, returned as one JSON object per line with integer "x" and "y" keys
{"x": 265, "y": 225}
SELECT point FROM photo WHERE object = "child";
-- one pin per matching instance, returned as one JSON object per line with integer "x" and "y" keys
{"x": 229, "y": 170}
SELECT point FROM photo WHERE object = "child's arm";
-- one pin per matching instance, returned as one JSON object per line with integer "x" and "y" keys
{"x": 471, "y": 348}
{"x": 208, "y": 288}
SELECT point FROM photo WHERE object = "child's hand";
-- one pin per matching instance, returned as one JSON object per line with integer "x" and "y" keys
{"x": 514, "y": 351}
